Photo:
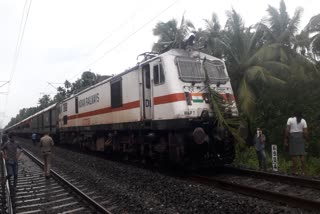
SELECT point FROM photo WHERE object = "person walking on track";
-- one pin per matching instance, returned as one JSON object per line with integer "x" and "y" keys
{"x": 46, "y": 145}
{"x": 34, "y": 138}
{"x": 12, "y": 151}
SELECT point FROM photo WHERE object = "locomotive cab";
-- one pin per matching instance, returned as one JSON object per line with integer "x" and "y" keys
{"x": 175, "y": 100}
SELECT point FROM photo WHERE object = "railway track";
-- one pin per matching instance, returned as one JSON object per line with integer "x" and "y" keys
{"x": 36, "y": 194}
{"x": 291, "y": 190}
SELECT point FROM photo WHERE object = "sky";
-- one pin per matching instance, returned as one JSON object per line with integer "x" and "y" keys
{"x": 54, "y": 41}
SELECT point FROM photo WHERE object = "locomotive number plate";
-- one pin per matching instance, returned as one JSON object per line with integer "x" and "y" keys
{"x": 190, "y": 113}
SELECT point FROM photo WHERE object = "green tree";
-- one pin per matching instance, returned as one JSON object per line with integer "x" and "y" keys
{"x": 250, "y": 62}
{"x": 87, "y": 79}
{"x": 44, "y": 101}
{"x": 210, "y": 38}
{"x": 280, "y": 27}
{"x": 171, "y": 35}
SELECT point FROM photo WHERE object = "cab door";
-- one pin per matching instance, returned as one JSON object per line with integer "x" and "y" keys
{"x": 147, "y": 93}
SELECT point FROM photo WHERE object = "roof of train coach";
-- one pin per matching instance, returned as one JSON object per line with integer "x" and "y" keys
{"x": 28, "y": 118}
{"x": 109, "y": 79}
{"x": 172, "y": 52}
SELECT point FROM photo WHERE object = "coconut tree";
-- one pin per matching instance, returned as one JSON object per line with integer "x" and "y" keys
{"x": 279, "y": 27}
{"x": 171, "y": 35}
{"x": 250, "y": 62}
{"x": 281, "y": 31}
{"x": 209, "y": 39}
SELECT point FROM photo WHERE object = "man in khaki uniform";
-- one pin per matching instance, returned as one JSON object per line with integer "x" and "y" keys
{"x": 46, "y": 145}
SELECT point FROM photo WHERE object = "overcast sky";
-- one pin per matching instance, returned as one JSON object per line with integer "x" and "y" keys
{"x": 63, "y": 38}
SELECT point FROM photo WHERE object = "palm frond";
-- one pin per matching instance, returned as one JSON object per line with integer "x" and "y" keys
{"x": 274, "y": 20}
{"x": 283, "y": 55}
{"x": 216, "y": 104}
{"x": 295, "y": 20}
{"x": 223, "y": 40}
{"x": 255, "y": 73}
{"x": 246, "y": 98}
{"x": 284, "y": 18}
{"x": 266, "y": 53}
{"x": 267, "y": 31}
{"x": 213, "y": 25}
{"x": 276, "y": 66}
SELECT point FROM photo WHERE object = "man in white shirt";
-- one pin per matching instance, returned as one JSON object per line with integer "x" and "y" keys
{"x": 296, "y": 133}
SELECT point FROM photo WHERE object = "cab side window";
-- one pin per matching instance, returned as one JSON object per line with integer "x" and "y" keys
{"x": 158, "y": 75}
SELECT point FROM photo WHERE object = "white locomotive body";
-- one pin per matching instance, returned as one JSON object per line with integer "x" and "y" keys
{"x": 157, "y": 110}
{"x": 164, "y": 88}
{"x": 152, "y": 108}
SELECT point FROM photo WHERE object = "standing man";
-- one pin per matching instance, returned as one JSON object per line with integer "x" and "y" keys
{"x": 34, "y": 138}
{"x": 297, "y": 134}
{"x": 4, "y": 138}
{"x": 12, "y": 152}
{"x": 46, "y": 145}
{"x": 259, "y": 144}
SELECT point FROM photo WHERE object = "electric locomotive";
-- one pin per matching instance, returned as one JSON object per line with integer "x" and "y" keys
{"x": 158, "y": 110}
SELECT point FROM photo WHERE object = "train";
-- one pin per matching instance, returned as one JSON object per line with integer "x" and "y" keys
{"x": 157, "y": 110}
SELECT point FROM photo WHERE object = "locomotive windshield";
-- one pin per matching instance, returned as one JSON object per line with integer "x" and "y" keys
{"x": 216, "y": 71}
{"x": 190, "y": 70}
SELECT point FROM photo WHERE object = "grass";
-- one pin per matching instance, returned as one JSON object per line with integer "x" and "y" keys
{"x": 246, "y": 157}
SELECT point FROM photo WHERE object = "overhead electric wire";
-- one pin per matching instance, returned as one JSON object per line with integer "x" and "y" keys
{"x": 125, "y": 39}
{"x": 17, "y": 46}
{"x": 107, "y": 36}
{"x": 5, "y": 82}
{"x": 23, "y": 22}
{"x": 110, "y": 34}
{"x": 20, "y": 38}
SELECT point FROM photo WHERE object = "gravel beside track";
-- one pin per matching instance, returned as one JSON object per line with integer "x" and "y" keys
{"x": 136, "y": 190}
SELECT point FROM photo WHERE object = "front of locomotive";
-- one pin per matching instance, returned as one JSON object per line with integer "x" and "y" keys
{"x": 210, "y": 145}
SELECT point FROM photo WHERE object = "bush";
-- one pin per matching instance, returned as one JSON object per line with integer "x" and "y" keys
{"x": 246, "y": 157}
{"x": 313, "y": 166}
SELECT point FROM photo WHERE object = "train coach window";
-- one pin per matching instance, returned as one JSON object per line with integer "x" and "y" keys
{"x": 158, "y": 75}
{"x": 65, "y": 107}
{"x": 116, "y": 94}
{"x": 148, "y": 79}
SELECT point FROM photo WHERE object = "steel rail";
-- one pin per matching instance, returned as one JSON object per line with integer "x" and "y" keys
{"x": 58, "y": 177}
{"x": 259, "y": 193}
{"x": 306, "y": 182}
{"x": 6, "y": 187}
